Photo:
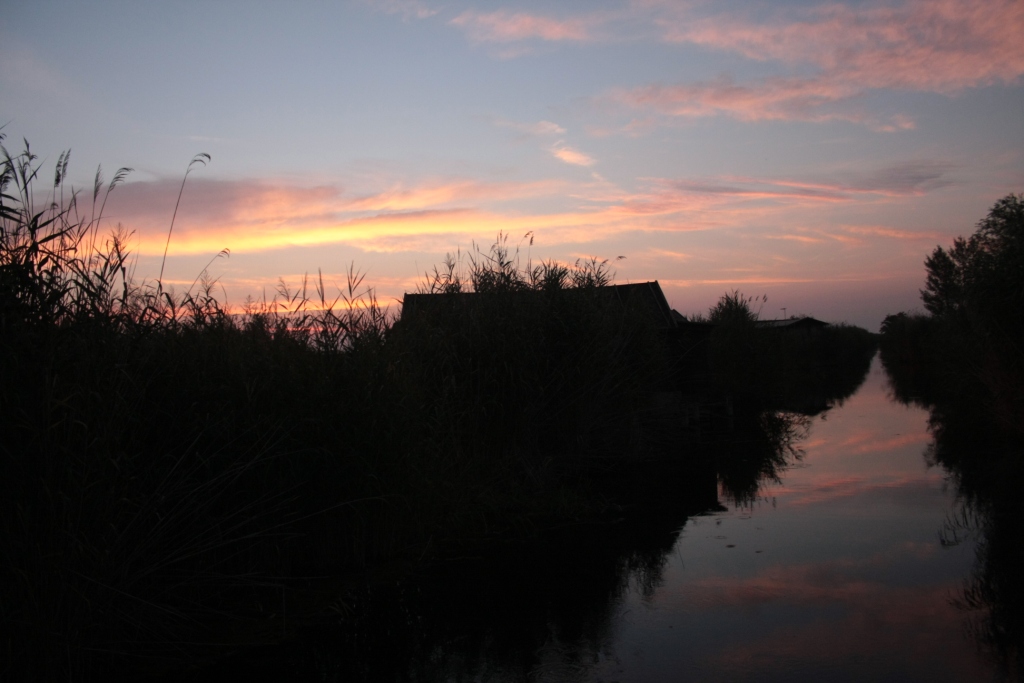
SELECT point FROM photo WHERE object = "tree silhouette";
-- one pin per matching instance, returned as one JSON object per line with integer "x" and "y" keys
{"x": 982, "y": 276}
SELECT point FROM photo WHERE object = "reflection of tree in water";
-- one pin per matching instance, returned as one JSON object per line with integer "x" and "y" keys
{"x": 763, "y": 446}
{"x": 989, "y": 473}
{"x": 987, "y": 466}
{"x": 539, "y": 609}
{"x": 545, "y": 609}
{"x": 548, "y": 609}
{"x": 770, "y": 421}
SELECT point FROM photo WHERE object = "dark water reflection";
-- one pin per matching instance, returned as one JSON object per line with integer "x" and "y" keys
{"x": 987, "y": 466}
{"x": 819, "y": 548}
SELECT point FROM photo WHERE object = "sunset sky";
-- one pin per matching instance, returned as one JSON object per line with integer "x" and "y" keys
{"x": 813, "y": 152}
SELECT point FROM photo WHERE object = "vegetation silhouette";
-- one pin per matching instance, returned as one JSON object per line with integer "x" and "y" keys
{"x": 775, "y": 378}
{"x": 171, "y": 470}
{"x": 975, "y": 295}
{"x": 962, "y": 362}
{"x": 986, "y": 465}
{"x": 179, "y": 480}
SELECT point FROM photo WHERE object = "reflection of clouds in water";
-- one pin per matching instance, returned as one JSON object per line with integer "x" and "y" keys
{"x": 847, "y": 581}
{"x": 879, "y": 632}
{"x": 869, "y": 443}
{"x": 858, "y": 586}
{"x": 826, "y": 491}
{"x": 895, "y": 442}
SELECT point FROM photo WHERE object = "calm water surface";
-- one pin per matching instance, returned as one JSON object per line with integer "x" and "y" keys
{"x": 838, "y": 572}
{"x": 843, "y": 569}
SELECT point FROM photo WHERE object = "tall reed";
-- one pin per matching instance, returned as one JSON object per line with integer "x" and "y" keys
{"x": 169, "y": 469}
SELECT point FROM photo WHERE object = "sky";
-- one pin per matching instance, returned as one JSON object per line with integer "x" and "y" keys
{"x": 812, "y": 152}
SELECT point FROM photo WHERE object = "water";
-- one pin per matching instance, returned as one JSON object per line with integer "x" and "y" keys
{"x": 850, "y": 566}
{"x": 837, "y": 572}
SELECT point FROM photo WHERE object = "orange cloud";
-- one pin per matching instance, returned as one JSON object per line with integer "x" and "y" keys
{"x": 433, "y": 216}
{"x": 259, "y": 215}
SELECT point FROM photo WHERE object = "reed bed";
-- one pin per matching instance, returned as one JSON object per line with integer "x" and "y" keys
{"x": 172, "y": 474}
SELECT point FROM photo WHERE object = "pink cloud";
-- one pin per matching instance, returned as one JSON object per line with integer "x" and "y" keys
{"x": 663, "y": 196}
{"x": 893, "y": 233}
{"x": 259, "y": 215}
{"x": 930, "y": 45}
{"x": 571, "y": 156}
{"x": 805, "y": 239}
{"x": 815, "y": 100}
{"x": 942, "y": 46}
{"x": 768, "y": 100}
{"x": 505, "y": 27}
{"x": 256, "y": 211}
{"x": 303, "y": 223}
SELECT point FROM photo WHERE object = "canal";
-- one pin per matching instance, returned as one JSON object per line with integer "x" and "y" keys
{"x": 843, "y": 557}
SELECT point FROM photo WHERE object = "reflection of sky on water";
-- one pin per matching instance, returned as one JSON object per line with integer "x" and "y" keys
{"x": 835, "y": 573}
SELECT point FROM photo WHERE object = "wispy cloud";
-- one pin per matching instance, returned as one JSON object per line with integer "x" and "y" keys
{"x": 832, "y": 54}
{"x": 400, "y": 197}
{"x": 775, "y": 99}
{"x": 571, "y": 156}
{"x": 893, "y": 233}
{"x": 537, "y": 129}
{"x": 673, "y": 255}
{"x": 931, "y": 45}
{"x": 503, "y": 26}
{"x": 407, "y": 9}
{"x": 805, "y": 239}
{"x": 432, "y": 215}
{"x": 666, "y": 195}
{"x": 251, "y": 215}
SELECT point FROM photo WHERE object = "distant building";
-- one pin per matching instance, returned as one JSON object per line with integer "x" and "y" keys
{"x": 645, "y": 297}
{"x": 805, "y": 324}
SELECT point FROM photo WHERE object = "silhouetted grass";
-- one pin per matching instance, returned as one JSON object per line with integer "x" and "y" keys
{"x": 173, "y": 473}
{"x": 176, "y": 479}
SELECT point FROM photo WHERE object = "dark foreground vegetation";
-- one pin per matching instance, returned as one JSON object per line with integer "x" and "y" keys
{"x": 964, "y": 362}
{"x": 177, "y": 481}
